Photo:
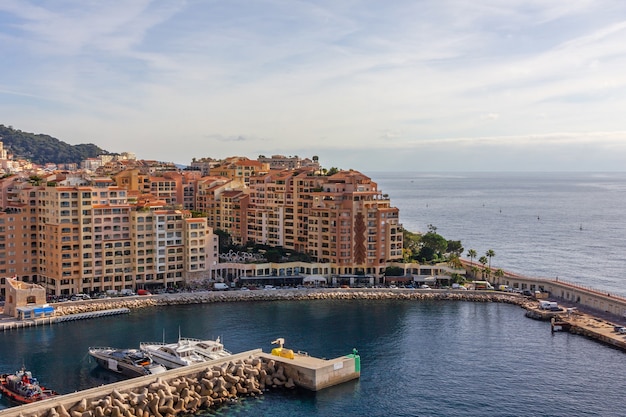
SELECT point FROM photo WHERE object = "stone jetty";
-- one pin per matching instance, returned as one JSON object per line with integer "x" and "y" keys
{"x": 289, "y": 295}
{"x": 181, "y": 391}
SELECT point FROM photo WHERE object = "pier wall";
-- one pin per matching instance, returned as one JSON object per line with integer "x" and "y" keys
{"x": 316, "y": 374}
{"x": 570, "y": 292}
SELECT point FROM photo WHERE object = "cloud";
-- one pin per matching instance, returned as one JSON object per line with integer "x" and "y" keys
{"x": 272, "y": 75}
{"x": 221, "y": 138}
{"x": 490, "y": 116}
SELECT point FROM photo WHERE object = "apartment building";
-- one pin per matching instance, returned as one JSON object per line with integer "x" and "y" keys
{"x": 271, "y": 209}
{"x": 174, "y": 188}
{"x": 135, "y": 230}
{"x": 73, "y": 239}
{"x": 239, "y": 169}
{"x": 352, "y": 225}
{"x": 289, "y": 162}
{"x": 342, "y": 219}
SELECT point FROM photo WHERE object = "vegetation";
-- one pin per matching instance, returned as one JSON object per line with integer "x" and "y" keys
{"x": 331, "y": 171}
{"x": 472, "y": 254}
{"x": 431, "y": 247}
{"x": 271, "y": 253}
{"x": 41, "y": 149}
{"x": 394, "y": 271}
{"x": 490, "y": 254}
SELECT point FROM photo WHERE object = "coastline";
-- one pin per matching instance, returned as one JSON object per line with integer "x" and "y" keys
{"x": 202, "y": 297}
{"x": 592, "y": 325}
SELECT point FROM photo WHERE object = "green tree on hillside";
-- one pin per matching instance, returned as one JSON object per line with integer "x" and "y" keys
{"x": 42, "y": 149}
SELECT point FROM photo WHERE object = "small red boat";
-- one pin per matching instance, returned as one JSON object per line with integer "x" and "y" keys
{"x": 21, "y": 387}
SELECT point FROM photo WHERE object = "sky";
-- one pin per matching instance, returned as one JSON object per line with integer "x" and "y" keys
{"x": 402, "y": 85}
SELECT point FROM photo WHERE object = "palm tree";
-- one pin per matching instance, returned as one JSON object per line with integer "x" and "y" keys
{"x": 454, "y": 261}
{"x": 490, "y": 254}
{"x": 499, "y": 274}
{"x": 472, "y": 254}
{"x": 483, "y": 261}
{"x": 475, "y": 270}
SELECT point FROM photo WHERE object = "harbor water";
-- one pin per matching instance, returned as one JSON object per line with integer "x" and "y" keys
{"x": 418, "y": 358}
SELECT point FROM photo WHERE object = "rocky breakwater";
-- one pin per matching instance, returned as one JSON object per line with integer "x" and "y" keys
{"x": 181, "y": 394}
{"x": 291, "y": 295}
{"x": 66, "y": 308}
{"x": 342, "y": 294}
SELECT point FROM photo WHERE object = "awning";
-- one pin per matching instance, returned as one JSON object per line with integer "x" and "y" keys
{"x": 425, "y": 278}
{"x": 314, "y": 278}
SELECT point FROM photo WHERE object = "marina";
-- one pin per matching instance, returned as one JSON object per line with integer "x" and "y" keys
{"x": 427, "y": 353}
{"x": 191, "y": 388}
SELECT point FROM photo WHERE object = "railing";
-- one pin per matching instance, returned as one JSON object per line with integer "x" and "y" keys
{"x": 570, "y": 284}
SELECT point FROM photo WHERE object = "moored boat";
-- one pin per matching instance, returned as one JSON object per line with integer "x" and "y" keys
{"x": 186, "y": 351}
{"x": 23, "y": 388}
{"x": 129, "y": 362}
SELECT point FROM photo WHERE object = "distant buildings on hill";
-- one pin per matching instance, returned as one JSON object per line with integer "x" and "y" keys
{"x": 122, "y": 223}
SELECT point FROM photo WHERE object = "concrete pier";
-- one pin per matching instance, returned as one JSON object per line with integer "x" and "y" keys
{"x": 316, "y": 374}
{"x": 593, "y": 328}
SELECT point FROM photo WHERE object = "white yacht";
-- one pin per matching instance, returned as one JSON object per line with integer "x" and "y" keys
{"x": 130, "y": 362}
{"x": 186, "y": 351}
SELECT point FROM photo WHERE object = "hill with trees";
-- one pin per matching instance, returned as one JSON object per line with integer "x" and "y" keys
{"x": 42, "y": 149}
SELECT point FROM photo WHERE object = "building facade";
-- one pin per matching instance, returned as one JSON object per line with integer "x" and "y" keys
{"x": 90, "y": 239}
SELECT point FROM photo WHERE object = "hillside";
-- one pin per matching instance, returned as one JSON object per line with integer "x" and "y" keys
{"x": 41, "y": 149}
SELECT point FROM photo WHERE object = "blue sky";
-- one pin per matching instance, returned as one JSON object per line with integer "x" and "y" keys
{"x": 430, "y": 85}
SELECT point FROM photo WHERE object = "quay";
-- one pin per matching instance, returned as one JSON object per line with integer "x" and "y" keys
{"x": 576, "y": 322}
{"x": 591, "y": 327}
{"x": 7, "y": 323}
{"x": 189, "y": 389}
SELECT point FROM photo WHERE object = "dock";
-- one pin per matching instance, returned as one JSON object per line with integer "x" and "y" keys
{"x": 11, "y": 323}
{"x": 591, "y": 327}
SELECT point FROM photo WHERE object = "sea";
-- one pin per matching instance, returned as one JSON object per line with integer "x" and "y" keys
{"x": 566, "y": 225}
{"x": 418, "y": 358}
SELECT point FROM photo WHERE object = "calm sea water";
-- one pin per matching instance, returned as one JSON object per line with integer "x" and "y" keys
{"x": 418, "y": 358}
{"x": 569, "y": 225}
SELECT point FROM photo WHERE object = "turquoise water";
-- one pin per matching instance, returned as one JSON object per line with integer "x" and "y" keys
{"x": 418, "y": 358}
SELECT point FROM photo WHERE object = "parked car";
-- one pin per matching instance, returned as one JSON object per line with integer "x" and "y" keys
{"x": 80, "y": 297}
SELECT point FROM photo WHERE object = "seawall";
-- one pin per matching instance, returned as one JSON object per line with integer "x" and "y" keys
{"x": 203, "y": 297}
